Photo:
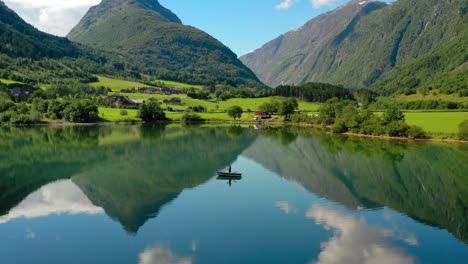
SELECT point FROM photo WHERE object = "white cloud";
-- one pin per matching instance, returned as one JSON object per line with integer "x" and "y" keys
{"x": 57, "y": 17}
{"x": 355, "y": 241}
{"x": 159, "y": 255}
{"x": 320, "y": 3}
{"x": 62, "y": 197}
{"x": 285, "y": 4}
{"x": 286, "y": 207}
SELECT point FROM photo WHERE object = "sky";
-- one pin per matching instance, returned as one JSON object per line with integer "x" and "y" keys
{"x": 242, "y": 25}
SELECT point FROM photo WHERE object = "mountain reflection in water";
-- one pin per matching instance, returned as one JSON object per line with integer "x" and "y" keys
{"x": 133, "y": 173}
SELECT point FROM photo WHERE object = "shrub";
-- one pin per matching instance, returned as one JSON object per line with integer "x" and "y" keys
{"x": 190, "y": 117}
{"x": 6, "y": 105}
{"x": 123, "y": 112}
{"x": 463, "y": 130}
{"x": 151, "y": 112}
{"x": 416, "y": 132}
{"x": 397, "y": 129}
{"x": 199, "y": 109}
{"x": 339, "y": 127}
{"x": 25, "y": 119}
{"x": 392, "y": 115}
{"x": 84, "y": 111}
{"x": 6, "y": 116}
{"x": 303, "y": 118}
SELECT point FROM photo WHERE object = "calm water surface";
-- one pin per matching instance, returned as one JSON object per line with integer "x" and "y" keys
{"x": 138, "y": 194}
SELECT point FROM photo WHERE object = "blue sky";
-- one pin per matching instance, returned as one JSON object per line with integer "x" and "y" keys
{"x": 242, "y": 25}
{"x": 245, "y": 25}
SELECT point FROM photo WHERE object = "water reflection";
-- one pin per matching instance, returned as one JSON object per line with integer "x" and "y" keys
{"x": 129, "y": 171}
{"x": 427, "y": 181}
{"x": 62, "y": 197}
{"x": 355, "y": 241}
{"x": 161, "y": 255}
{"x": 132, "y": 172}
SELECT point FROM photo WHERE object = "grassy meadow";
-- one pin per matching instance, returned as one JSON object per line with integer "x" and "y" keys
{"x": 5, "y": 81}
{"x": 437, "y": 122}
{"x": 117, "y": 85}
{"x": 431, "y": 96}
{"x": 245, "y": 103}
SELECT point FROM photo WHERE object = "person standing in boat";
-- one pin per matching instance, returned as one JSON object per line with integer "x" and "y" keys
{"x": 229, "y": 168}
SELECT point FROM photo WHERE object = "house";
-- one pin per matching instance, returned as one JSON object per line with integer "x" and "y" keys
{"x": 128, "y": 90}
{"x": 118, "y": 101}
{"x": 138, "y": 101}
{"x": 19, "y": 96}
{"x": 166, "y": 91}
{"x": 259, "y": 115}
{"x": 173, "y": 101}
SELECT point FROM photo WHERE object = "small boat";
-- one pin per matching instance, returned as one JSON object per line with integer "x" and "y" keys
{"x": 222, "y": 174}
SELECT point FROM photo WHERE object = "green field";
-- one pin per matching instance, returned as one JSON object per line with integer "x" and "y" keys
{"x": 432, "y": 96}
{"x": 437, "y": 122}
{"x": 117, "y": 85}
{"x": 113, "y": 115}
{"x": 172, "y": 84}
{"x": 247, "y": 103}
{"x": 5, "y": 81}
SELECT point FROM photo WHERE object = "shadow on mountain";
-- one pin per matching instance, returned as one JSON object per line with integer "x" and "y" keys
{"x": 129, "y": 171}
{"x": 427, "y": 181}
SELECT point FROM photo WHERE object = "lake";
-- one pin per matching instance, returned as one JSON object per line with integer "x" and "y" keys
{"x": 150, "y": 194}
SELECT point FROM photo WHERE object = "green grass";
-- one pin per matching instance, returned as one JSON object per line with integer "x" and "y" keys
{"x": 432, "y": 96}
{"x": 5, "y": 81}
{"x": 212, "y": 116}
{"x": 116, "y": 84}
{"x": 113, "y": 115}
{"x": 172, "y": 84}
{"x": 437, "y": 122}
{"x": 247, "y": 103}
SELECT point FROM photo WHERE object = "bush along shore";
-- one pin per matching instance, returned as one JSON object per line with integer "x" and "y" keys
{"x": 341, "y": 115}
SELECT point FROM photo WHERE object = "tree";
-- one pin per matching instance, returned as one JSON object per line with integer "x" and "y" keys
{"x": 391, "y": 115}
{"x": 270, "y": 107}
{"x": 416, "y": 132}
{"x": 235, "y": 111}
{"x": 151, "y": 112}
{"x": 287, "y": 107}
{"x": 463, "y": 130}
{"x": 83, "y": 111}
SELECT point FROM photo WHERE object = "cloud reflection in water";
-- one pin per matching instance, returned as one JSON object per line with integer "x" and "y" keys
{"x": 355, "y": 241}
{"x": 160, "y": 255}
{"x": 61, "y": 197}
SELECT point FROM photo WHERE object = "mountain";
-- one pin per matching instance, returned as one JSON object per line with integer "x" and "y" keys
{"x": 31, "y": 56}
{"x": 19, "y": 39}
{"x": 146, "y": 31}
{"x": 363, "y": 42}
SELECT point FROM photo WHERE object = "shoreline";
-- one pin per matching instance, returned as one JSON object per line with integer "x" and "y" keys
{"x": 240, "y": 122}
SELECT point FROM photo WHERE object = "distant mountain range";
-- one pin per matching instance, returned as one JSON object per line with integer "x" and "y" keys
{"x": 406, "y": 44}
{"x": 138, "y": 36}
